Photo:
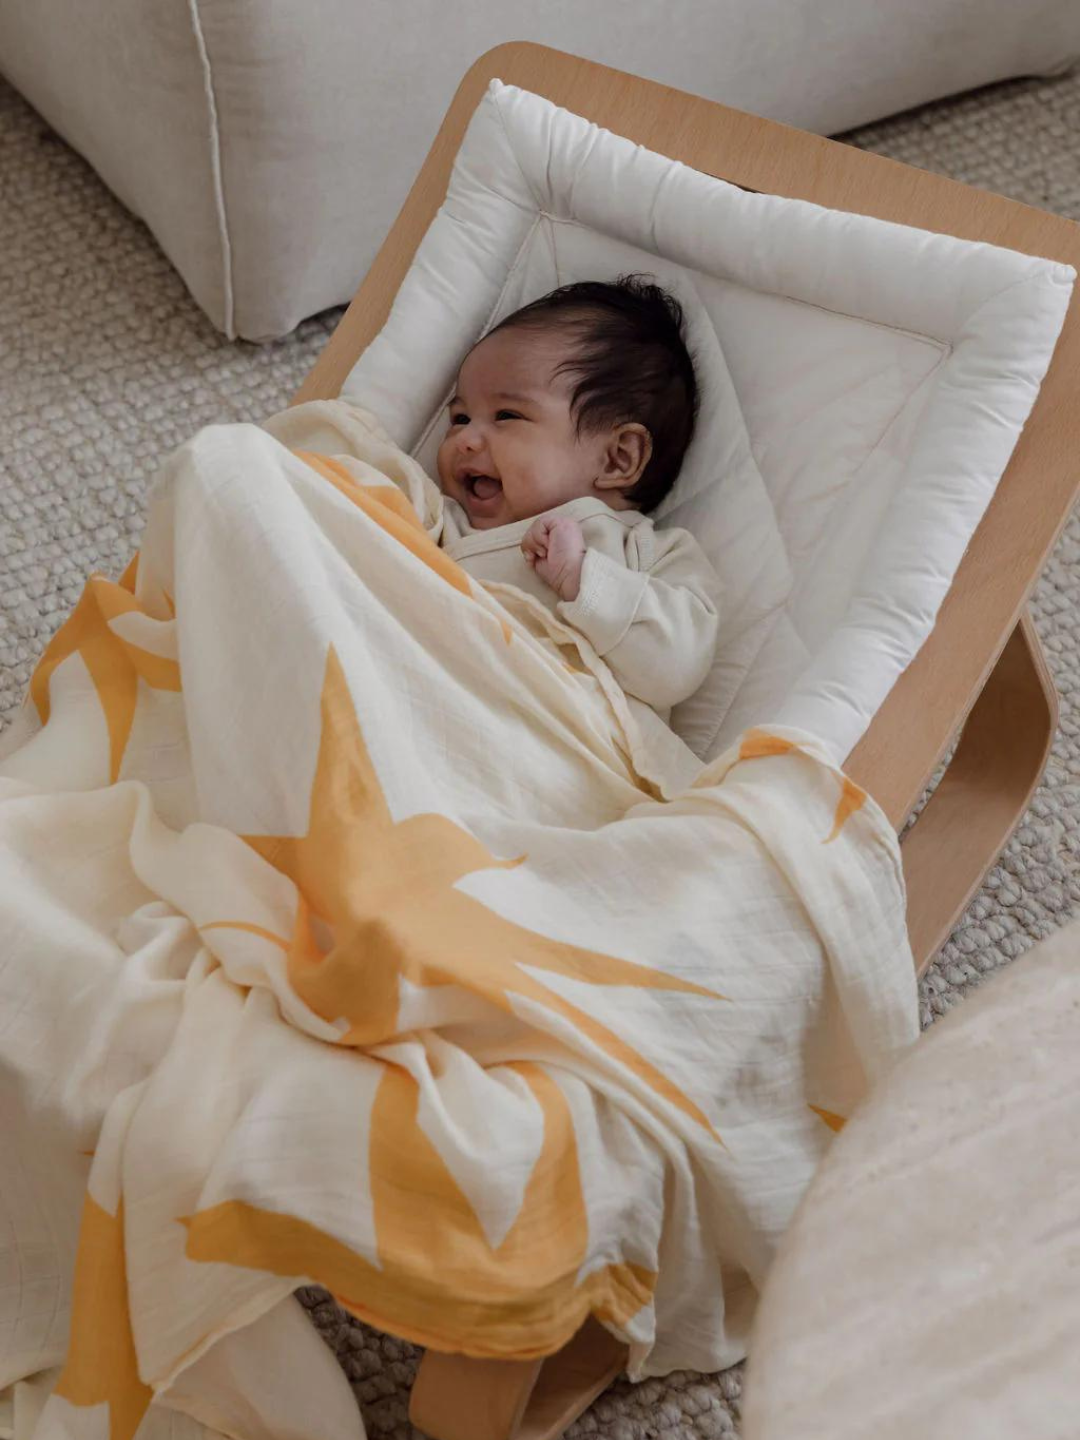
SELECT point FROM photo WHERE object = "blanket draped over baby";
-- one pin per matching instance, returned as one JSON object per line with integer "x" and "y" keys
{"x": 354, "y": 934}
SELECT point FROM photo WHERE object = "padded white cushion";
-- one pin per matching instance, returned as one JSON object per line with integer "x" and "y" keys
{"x": 863, "y": 386}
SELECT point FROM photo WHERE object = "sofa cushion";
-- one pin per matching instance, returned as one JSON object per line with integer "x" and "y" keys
{"x": 269, "y": 145}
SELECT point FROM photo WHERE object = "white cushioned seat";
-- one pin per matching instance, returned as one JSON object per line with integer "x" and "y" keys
{"x": 863, "y": 386}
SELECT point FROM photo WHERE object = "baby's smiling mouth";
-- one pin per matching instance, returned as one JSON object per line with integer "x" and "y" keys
{"x": 482, "y": 487}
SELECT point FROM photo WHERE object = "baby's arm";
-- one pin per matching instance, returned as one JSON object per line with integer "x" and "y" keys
{"x": 653, "y": 618}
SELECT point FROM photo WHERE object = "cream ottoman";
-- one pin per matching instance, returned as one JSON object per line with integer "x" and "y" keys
{"x": 929, "y": 1284}
{"x": 268, "y": 145}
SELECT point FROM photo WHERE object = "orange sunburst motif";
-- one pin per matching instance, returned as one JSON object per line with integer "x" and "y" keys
{"x": 759, "y": 744}
{"x": 438, "y": 1281}
{"x": 115, "y": 664}
{"x": 852, "y": 798}
{"x": 101, "y": 1366}
{"x": 389, "y": 508}
{"x": 387, "y": 891}
{"x": 834, "y": 1121}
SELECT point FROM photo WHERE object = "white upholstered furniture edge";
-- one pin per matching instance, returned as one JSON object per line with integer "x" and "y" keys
{"x": 268, "y": 145}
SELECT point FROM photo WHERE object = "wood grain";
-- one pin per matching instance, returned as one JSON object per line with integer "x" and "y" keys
{"x": 457, "y": 1398}
{"x": 985, "y": 790}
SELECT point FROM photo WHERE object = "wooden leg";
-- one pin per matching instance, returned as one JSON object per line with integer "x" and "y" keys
{"x": 982, "y": 795}
{"x": 455, "y": 1398}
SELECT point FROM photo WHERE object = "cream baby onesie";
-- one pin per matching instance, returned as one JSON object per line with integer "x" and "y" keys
{"x": 647, "y": 601}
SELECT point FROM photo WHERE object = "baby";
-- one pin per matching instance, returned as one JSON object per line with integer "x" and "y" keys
{"x": 569, "y": 424}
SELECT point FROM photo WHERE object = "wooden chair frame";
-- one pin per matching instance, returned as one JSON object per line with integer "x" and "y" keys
{"x": 981, "y": 673}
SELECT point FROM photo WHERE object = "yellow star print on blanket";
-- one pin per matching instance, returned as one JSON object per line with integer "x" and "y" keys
{"x": 348, "y": 926}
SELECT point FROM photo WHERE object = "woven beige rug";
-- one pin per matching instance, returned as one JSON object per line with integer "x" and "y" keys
{"x": 106, "y": 364}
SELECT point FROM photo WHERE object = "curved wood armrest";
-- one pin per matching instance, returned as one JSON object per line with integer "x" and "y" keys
{"x": 983, "y": 794}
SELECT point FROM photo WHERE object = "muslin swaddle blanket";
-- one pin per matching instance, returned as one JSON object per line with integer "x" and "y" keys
{"x": 355, "y": 933}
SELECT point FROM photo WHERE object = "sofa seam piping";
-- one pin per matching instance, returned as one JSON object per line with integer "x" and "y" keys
{"x": 215, "y": 170}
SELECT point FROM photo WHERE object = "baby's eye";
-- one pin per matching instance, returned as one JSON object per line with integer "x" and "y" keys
{"x": 459, "y": 419}
{"x": 507, "y": 414}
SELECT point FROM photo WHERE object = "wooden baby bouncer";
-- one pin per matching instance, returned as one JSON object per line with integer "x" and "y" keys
{"x": 981, "y": 676}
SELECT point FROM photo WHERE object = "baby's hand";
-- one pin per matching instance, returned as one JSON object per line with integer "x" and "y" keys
{"x": 555, "y": 547}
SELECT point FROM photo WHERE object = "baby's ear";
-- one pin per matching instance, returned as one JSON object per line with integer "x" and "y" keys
{"x": 625, "y": 457}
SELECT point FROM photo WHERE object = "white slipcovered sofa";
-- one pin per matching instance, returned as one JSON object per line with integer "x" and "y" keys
{"x": 268, "y": 145}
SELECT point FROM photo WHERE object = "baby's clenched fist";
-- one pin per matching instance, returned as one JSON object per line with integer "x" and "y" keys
{"x": 555, "y": 547}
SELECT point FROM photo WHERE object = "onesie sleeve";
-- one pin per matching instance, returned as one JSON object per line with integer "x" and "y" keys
{"x": 654, "y": 618}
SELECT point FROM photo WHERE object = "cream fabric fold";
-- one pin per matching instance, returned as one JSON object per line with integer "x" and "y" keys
{"x": 356, "y": 934}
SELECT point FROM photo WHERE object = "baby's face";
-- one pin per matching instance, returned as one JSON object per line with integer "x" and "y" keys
{"x": 511, "y": 451}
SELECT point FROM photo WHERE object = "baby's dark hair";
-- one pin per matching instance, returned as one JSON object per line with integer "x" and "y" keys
{"x": 630, "y": 363}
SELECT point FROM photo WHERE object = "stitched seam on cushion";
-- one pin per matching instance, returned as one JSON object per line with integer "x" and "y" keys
{"x": 215, "y": 170}
{"x": 1038, "y": 277}
{"x": 809, "y": 561}
{"x": 776, "y": 614}
{"x": 511, "y": 272}
{"x": 514, "y": 268}
{"x": 946, "y": 345}
{"x": 521, "y": 169}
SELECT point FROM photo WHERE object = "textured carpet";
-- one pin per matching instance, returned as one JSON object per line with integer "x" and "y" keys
{"x": 106, "y": 364}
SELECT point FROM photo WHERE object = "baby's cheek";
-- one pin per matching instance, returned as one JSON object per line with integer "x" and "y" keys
{"x": 442, "y": 463}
